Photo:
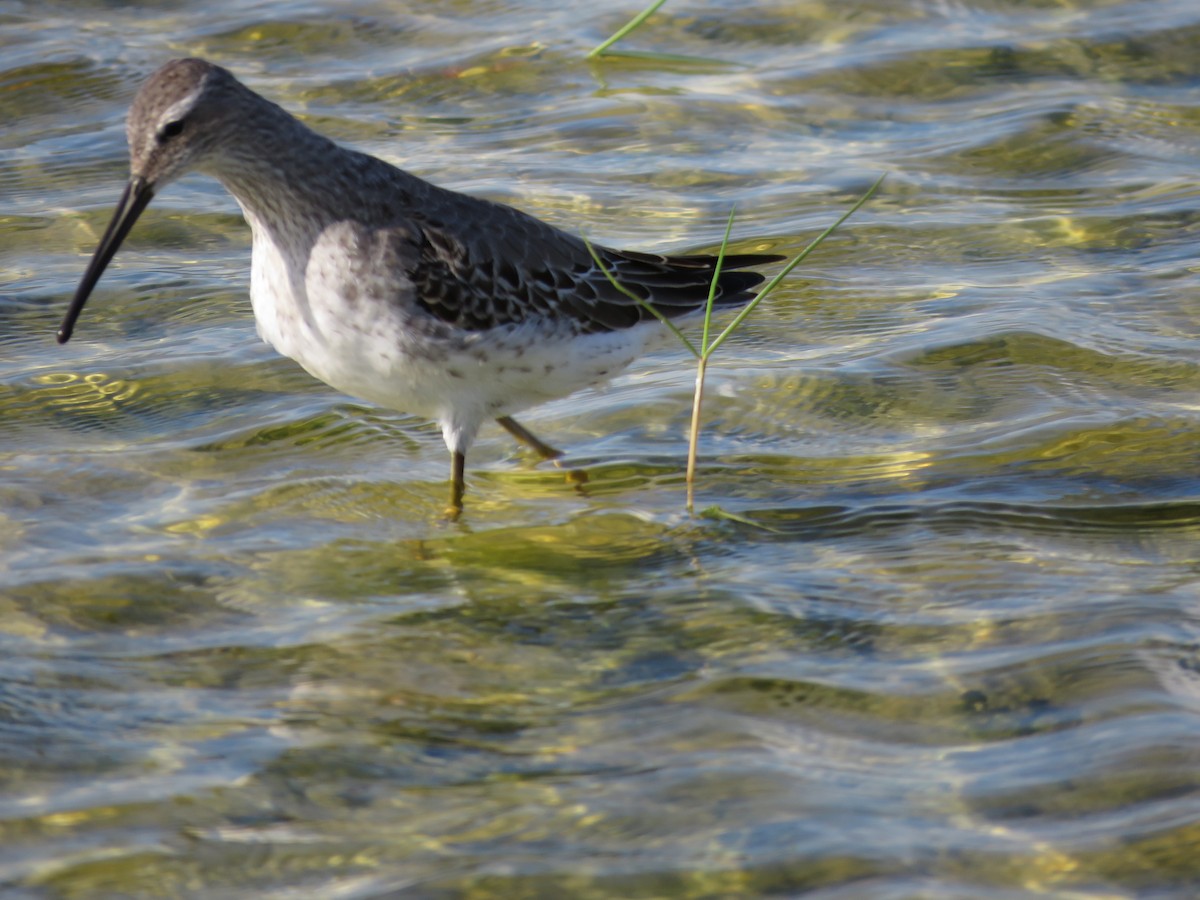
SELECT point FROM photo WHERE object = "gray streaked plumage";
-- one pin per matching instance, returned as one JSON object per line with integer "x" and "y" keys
{"x": 390, "y": 288}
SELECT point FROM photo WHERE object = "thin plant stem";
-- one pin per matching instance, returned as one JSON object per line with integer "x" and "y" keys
{"x": 694, "y": 433}
{"x": 702, "y": 365}
{"x": 626, "y": 28}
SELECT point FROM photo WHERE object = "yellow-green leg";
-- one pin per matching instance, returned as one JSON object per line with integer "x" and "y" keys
{"x": 576, "y": 477}
{"x": 458, "y": 465}
{"x": 528, "y": 438}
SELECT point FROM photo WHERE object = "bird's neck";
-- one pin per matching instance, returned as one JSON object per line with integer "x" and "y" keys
{"x": 292, "y": 181}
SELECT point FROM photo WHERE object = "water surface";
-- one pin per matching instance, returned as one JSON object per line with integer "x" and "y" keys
{"x": 951, "y": 652}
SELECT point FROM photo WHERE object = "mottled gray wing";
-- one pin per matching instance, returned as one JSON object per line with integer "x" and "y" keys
{"x": 483, "y": 265}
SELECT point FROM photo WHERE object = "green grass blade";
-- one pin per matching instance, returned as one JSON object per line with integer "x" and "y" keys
{"x": 678, "y": 59}
{"x": 774, "y": 282}
{"x": 627, "y": 28}
{"x": 649, "y": 307}
{"x": 715, "y": 512}
{"x": 712, "y": 286}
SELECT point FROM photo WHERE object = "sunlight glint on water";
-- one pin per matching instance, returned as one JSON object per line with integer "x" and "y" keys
{"x": 955, "y": 655}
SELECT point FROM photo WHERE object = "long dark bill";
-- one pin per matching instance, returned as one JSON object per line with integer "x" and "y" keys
{"x": 137, "y": 196}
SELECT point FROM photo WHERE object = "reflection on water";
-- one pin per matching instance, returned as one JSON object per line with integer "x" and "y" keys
{"x": 950, "y": 650}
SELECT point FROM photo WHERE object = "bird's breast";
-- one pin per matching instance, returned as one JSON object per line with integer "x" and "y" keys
{"x": 335, "y": 306}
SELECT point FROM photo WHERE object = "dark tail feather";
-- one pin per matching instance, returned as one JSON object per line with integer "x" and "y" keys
{"x": 673, "y": 285}
{"x": 677, "y": 285}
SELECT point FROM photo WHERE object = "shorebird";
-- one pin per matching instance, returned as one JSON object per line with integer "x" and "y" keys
{"x": 394, "y": 290}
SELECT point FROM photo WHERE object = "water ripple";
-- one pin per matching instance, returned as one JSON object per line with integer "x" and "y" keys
{"x": 948, "y": 643}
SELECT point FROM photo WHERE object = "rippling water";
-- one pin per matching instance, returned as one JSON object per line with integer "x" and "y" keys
{"x": 954, "y": 650}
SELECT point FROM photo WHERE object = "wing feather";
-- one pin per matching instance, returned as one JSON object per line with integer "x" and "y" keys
{"x": 483, "y": 265}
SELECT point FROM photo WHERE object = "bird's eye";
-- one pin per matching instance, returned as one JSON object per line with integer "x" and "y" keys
{"x": 170, "y": 130}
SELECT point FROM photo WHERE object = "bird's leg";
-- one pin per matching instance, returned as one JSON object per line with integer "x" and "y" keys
{"x": 576, "y": 477}
{"x": 528, "y": 438}
{"x": 458, "y": 465}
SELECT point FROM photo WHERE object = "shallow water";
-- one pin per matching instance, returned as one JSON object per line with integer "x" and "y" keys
{"x": 954, "y": 650}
